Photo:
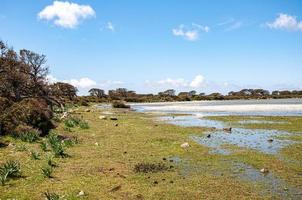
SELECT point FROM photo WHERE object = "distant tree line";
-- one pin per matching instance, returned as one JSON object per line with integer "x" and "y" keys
{"x": 98, "y": 95}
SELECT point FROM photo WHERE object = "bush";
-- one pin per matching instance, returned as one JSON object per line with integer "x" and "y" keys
{"x": 72, "y": 122}
{"x": 43, "y": 146}
{"x": 9, "y": 169}
{"x": 84, "y": 125}
{"x": 47, "y": 171}
{"x": 119, "y": 104}
{"x": 35, "y": 155}
{"x": 56, "y": 145}
{"x": 30, "y": 112}
{"x": 26, "y": 133}
{"x": 51, "y": 196}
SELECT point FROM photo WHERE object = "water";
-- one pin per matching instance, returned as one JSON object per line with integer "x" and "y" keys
{"x": 269, "y": 107}
{"x": 256, "y": 139}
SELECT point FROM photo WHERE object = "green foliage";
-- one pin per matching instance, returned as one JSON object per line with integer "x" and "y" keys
{"x": 56, "y": 145}
{"x": 50, "y": 162}
{"x": 72, "y": 122}
{"x": 43, "y": 146}
{"x": 35, "y": 155}
{"x": 31, "y": 136}
{"x": 47, "y": 171}
{"x": 51, "y": 196}
{"x": 84, "y": 125}
{"x": 8, "y": 170}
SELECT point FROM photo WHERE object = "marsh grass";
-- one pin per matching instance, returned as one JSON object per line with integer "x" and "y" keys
{"x": 51, "y": 196}
{"x": 8, "y": 170}
{"x": 35, "y": 155}
{"x": 47, "y": 171}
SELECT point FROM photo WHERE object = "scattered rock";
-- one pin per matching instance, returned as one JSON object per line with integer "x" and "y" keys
{"x": 270, "y": 140}
{"x": 185, "y": 145}
{"x": 87, "y": 110}
{"x": 164, "y": 158}
{"x": 81, "y": 193}
{"x": 116, "y": 124}
{"x": 264, "y": 170}
{"x": 125, "y": 152}
{"x": 96, "y": 144}
{"x": 163, "y": 179}
{"x": 113, "y": 118}
{"x": 111, "y": 169}
{"x": 155, "y": 182}
{"x": 229, "y": 130}
{"x": 209, "y": 136}
{"x": 171, "y": 181}
{"x": 116, "y": 188}
{"x": 102, "y": 117}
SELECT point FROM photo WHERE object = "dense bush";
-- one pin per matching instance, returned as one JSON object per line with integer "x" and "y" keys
{"x": 119, "y": 104}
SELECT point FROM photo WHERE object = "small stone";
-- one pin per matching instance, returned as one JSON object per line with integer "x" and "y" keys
{"x": 81, "y": 193}
{"x": 87, "y": 110}
{"x": 185, "y": 145}
{"x": 113, "y": 118}
{"x": 155, "y": 182}
{"x": 171, "y": 181}
{"x": 164, "y": 158}
{"x": 116, "y": 124}
{"x": 116, "y": 188}
{"x": 209, "y": 136}
{"x": 264, "y": 170}
{"x": 102, "y": 117}
{"x": 270, "y": 140}
{"x": 96, "y": 144}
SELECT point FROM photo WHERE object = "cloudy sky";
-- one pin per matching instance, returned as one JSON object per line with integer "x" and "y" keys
{"x": 149, "y": 46}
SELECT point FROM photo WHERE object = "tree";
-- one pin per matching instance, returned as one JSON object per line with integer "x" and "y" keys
{"x": 97, "y": 92}
{"x": 63, "y": 90}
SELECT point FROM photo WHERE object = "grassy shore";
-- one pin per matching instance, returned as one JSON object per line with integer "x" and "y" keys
{"x": 102, "y": 163}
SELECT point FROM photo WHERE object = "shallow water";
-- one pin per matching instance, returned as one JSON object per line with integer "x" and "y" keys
{"x": 270, "y": 107}
{"x": 260, "y": 122}
{"x": 256, "y": 139}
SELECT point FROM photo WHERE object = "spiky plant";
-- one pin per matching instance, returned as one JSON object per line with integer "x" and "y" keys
{"x": 47, "y": 171}
{"x": 56, "y": 145}
{"x": 35, "y": 155}
{"x": 51, "y": 195}
{"x": 43, "y": 146}
{"x": 9, "y": 169}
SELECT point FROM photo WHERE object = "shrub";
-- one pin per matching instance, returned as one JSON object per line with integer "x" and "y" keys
{"x": 72, "y": 122}
{"x": 31, "y": 112}
{"x": 149, "y": 167}
{"x": 26, "y": 133}
{"x": 56, "y": 145}
{"x": 51, "y": 195}
{"x": 35, "y": 155}
{"x": 84, "y": 125}
{"x": 119, "y": 104}
{"x": 43, "y": 146}
{"x": 47, "y": 171}
{"x": 50, "y": 162}
{"x": 8, "y": 170}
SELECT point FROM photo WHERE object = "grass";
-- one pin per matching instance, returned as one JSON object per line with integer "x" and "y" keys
{"x": 8, "y": 170}
{"x": 96, "y": 169}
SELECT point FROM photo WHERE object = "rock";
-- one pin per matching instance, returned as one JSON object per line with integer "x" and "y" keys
{"x": 270, "y": 140}
{"x": 87, "y": 110}
{"x": 102, "y": 117}
{"x": 81, "y": 193}
{"x": 229, "y": 130}
{"x": 209, "y": 136}
{"x": 113, "y": 118}
{"x": 264, "y": 170}
{"x": 185, "y": 145}
{"x": 116, "y": 124}
{"x": 96, "y": 144}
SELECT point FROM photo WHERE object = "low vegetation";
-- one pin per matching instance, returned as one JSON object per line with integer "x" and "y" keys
{"x": 10, "y": 169}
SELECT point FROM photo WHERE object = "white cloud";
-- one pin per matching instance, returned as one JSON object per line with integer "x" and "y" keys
{"x": 179, "y": 83}
{"x": 66, "y": 14}
{"x": 197, "y": 82}
{"x": 285, "y": 22}
{"x": 192, "y": 33}
{"x": 231, "y": 24}
{"x": 110, "y": 26}
{"x": 110, "y": 83}
{"x": 82, "y": 82}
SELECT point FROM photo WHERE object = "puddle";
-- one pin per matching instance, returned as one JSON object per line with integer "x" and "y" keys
{"x": 271, "y": 184}
{"x": 256, "y": 139}
{"x": 260, "y": 122}
{"x": 192, "y": 120}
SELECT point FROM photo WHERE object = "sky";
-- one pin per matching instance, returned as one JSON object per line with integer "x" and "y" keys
{"x": 151, "y": 46}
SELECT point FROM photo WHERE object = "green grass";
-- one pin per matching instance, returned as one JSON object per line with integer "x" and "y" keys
{"x": 97, "y": 169}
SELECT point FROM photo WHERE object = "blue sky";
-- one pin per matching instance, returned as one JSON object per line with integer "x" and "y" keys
{"x": 151, "y": 46}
